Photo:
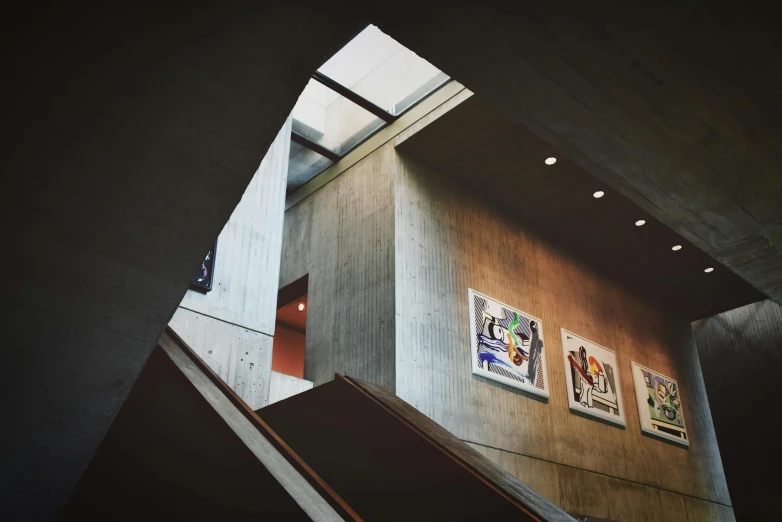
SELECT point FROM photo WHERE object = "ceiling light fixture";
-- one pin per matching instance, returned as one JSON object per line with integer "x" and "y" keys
{"x": 301, "y": 307}
{"x": 676, "y": 247}
{"x": 710, "y": 269}
{"x": 599, "y": 194}
{"x": 640, "y": 223}
{"x": 551, "y": 161}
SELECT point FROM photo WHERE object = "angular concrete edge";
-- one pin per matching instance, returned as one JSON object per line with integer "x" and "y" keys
{"x": 307, "y": 489}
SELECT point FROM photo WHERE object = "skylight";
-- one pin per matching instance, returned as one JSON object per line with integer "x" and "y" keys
{"x": 304, "y": 164}
{"x": 331, "y": 120}
{"x": 366, "y": 85}
{"x": 380, "y": 69}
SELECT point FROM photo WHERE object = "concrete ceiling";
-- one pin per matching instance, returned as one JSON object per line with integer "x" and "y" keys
{"x": 502, "y": 162}
{"x": 677, "y": 106}
{"x": 132, "y": 134}
{"x": 130, "y": 137}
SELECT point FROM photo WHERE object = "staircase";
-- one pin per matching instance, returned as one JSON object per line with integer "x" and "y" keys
{"x": 185, "y": 447}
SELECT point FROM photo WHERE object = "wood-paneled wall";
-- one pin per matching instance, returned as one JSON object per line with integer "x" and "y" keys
{"x": 343, "y": 237}
{"x": 741, "y": 353}
{"x": 232, "y": 327}
{"x": 448, "y": 241}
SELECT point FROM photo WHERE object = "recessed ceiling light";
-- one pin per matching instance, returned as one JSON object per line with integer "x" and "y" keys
{"x": 710, "y": 269}
{"x": 301, "y": 307}
{"x": 676, "y": 247}
{"x": 640, "y": 223}
{"x": 599, "y": 194}
{"x": 551, "y": 161}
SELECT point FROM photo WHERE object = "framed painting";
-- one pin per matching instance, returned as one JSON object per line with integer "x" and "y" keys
{"x": 659, "y": 405}
{"x": 202, "y": 281}
{"x": 506, "y": 345}
{"x": 592, "y": 377}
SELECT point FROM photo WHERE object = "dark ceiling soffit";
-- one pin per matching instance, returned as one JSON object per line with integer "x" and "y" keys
{"x": 355, "y": 98}
{"x": 323, "y": 151}
{"x": 293, "y": 292}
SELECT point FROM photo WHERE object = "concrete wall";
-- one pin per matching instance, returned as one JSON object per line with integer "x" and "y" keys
{"x": 444, "y": 242}
{"x": 343, "y": 237}
{"x": 448, "y": 241}
{"x": 248, "y": 249}
{"x": 741, "y": 353}
{"x": 578, "y": 491}
{"x": 62, "y": 383}
{"x": 284, "y": 386}
{"x": 232, "y": 326}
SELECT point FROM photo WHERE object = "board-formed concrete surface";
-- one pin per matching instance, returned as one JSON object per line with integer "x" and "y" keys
{"x": 132, "y": 134}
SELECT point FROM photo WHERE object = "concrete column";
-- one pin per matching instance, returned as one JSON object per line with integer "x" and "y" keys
{"x": 232, "y": 327}
{"x": 740, "y": 355}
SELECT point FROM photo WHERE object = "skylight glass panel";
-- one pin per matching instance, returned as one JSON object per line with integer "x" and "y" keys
{"x": 304, "y": 165}
{"x": 380, "y": 69}
{"x": 330, "y": 120}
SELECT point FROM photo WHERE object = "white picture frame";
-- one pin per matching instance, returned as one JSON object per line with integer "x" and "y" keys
{"x": 594, "y": 387}
{"x": 659, "y": 405}
{"x": 494, "y": 351}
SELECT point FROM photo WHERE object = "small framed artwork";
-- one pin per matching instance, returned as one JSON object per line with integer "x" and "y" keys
{"x": 202, "y": 281}
{"x": 592, "y": 376}
{"x": 659, "y": 405}
{"x": 506, "y": 345}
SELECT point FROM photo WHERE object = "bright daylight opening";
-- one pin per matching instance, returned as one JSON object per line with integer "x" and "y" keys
{"x": 364, "y": 87}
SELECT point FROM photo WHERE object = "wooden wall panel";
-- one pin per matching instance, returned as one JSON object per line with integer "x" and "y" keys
{"x": 741, "y": 353}
{"x": 582, "y": 492}
{"x": 448, "y": 241}
{"x": 343, "y": 237}
{"x": 241, "y": 357}
{"x": 247, "y": 265}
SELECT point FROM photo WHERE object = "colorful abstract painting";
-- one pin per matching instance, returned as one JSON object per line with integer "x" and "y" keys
{"x": 507, "y": 345}
{"x": 592, "y": 376}
{"x": 202, "y": 281}
{"x": 659, "y": 405}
